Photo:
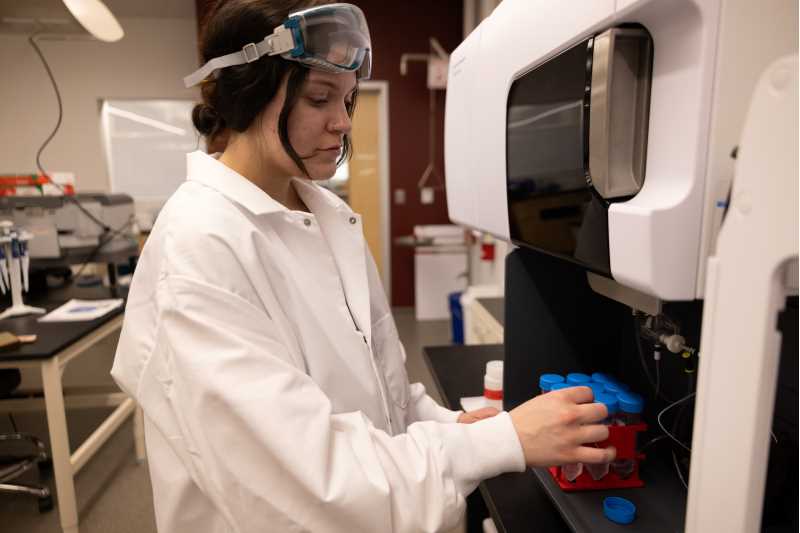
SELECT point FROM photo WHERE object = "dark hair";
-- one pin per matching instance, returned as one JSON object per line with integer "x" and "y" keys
{"x": 237, "y": 95}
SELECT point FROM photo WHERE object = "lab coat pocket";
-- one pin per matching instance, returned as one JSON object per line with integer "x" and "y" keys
{"x": 391, "y": 359}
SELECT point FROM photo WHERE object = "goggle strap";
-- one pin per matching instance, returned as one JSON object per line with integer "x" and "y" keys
{"x": 279, "y": 42}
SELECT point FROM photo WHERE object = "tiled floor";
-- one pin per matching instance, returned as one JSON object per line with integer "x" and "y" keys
{"x": 113, "y": 491}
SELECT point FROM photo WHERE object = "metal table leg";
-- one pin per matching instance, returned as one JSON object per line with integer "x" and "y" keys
{"x": 138, "y": 434}
{"x": 59, "y": 444}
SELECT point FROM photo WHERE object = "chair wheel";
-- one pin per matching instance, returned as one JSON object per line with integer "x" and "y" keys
{"x": 45, "y": 504}
{"x": 45, "y": 465}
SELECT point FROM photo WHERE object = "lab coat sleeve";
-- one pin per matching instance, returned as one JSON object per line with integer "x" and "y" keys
{"x": 422, "y": 407}
{"x": 259, "y": 437}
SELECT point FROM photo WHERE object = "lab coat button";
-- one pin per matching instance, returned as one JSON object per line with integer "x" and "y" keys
{"x": 353, "y": 220}
{"x": 307, "y": 221}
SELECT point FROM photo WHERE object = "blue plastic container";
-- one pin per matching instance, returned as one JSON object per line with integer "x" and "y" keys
{"x": 616, "y": 388}
{"x": 456, "y": 317}
{"x": 597, "y": 388}
{"x": 600, "y": 377}
{"x": 576, "y": 378}
{"x": 546, "y": 381}
{"x": 619, "y": 510}
{"x": 611, "y": 402}
{"x": 631, "y": 404}
{"x": 599, "y": 471}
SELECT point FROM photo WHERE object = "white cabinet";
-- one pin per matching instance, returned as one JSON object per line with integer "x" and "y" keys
{"x": 438, "y": 271}
{"x": 480, "y": 326}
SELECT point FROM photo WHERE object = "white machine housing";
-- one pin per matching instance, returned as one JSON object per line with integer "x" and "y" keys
{"x": 707, "y": 56}
{"x": 60, "y": 228}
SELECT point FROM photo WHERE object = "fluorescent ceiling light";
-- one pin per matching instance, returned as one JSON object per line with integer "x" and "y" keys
{"x": 141, "y": 119}
{"x": 96, "y": 18}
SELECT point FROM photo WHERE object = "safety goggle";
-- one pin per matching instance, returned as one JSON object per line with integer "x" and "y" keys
{"x": 333, "y": 38}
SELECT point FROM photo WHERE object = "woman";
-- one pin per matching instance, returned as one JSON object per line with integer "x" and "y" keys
{"x": 257, "y": 337}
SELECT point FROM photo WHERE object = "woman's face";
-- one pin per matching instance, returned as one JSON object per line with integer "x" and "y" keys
{"x": 316, "y": 125}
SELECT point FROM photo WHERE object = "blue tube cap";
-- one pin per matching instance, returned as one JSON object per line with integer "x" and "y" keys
{"x": 630, "y": 402}
{"x": 610, "y": 401}
{"x": 616, "y": 388}
{"x": 546, "y": 381}
{"x": 559, "y": 386}
{"x": 577, "y": 378}
{"x": 597, "y": 388}
{"x": 600, "y": 377}
{"x": 619, "y": 510}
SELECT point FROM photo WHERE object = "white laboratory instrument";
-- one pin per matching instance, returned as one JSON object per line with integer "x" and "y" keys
{"x": 14, "y": 264}
{"x": 719, "y": 143}
{"x": 749, "y": 277}
{"x": 62, "y": 231}
{"x": 540, "y": 86}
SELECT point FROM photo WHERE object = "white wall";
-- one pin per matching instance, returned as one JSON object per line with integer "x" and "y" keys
{"x": 149, "y": 62}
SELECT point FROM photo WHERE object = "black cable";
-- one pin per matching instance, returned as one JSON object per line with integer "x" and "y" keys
{"x": 690, "y": 389}
{"x": 664, "y": 429}
{"x": 678, "y": 469}
{"x": 652, "y": 441}
{"x": 32, "y": 41}
{"x": 13, "y": 422}
{"x": 675, "y": 428}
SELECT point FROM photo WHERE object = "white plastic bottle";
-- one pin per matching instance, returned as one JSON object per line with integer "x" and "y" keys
{"x": 493, "y": 385}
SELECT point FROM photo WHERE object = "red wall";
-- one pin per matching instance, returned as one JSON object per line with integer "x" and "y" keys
{"x": 398, "y": 27}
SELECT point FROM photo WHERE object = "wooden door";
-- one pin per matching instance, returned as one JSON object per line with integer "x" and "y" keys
{"x": 365, "y": 186}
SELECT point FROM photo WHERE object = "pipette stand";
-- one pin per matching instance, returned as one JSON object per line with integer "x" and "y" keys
{"x": 18, "y": 307}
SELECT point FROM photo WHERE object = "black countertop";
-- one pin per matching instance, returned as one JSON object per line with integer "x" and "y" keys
{"x": 53, "y": 337}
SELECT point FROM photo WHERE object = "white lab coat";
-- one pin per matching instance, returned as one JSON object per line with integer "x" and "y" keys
{"x": 268, "y": 405}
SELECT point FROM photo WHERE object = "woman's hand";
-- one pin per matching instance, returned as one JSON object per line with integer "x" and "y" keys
{"x": 479, "y": 414}
{"x": 553, "y": 428}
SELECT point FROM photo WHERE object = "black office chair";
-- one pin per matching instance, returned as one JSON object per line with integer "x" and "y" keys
{"x": 12, "y": 467}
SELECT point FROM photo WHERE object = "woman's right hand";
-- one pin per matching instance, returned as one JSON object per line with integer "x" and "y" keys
{"x": 554, "y": 427}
